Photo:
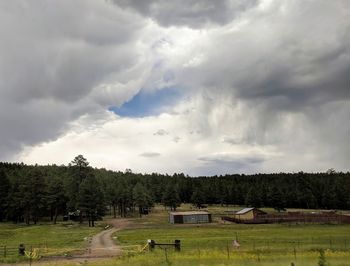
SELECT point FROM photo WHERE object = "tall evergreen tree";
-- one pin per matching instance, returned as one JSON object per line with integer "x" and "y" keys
{"x": 198, "y": 197}
{"x": 56, "y": 198}
{"x": 4, "y": 193}
{"x": 78, "y": 171}
{"x": 170, "y": 197}
{"x": 253, "y": 197}
{"x": 90, "y": 200}
{"x": 142, "y": 198}
{"x": 33, "y": 193}
{"x": 277, "y": 199}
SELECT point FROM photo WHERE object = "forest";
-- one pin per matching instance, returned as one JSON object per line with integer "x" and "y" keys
{"x": 29, "y": 193}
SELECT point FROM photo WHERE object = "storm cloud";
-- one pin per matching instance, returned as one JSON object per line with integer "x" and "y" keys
{"x": 55, "y": 59}
{"x": 189, "y": 13}
{"x": 260, "y": 85}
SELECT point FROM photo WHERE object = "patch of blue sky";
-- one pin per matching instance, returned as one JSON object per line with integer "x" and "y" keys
{"x": 149, "y": 103}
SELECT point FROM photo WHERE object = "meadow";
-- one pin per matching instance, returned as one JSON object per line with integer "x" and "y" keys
{"x": 205, "y": 244}
{"x": 59, "y": 239}
{"x": 211, "y": 244}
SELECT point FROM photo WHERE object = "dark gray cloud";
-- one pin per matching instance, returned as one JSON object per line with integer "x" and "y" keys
{"x": 272, "y": 75}
{"x": 288, "y": 61}
{"x": 53, "y": 55}
{"x": 294, "y": 55}
{"x": 191, "y": 13}
{"x": 231, "y": 163}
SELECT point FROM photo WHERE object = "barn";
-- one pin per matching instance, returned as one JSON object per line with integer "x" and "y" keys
{"x": 248, "y": 214}
{"x": 190, "y": 217}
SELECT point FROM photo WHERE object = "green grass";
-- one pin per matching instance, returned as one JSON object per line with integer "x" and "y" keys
{"x": 206, "y": 244}
{"x": 271, "y": 237}
{"x": 57, "y": 239}
{"x": 211, "y": 244}
{"x": 219, "y": 258}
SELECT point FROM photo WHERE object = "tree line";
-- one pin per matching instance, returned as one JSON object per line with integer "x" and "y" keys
{"x": 29, "y": 193}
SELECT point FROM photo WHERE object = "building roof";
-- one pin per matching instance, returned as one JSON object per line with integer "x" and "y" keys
{"x": 189, "y": 213}
{"x": 245, "y": 210}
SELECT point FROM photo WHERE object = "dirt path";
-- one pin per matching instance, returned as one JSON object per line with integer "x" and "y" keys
{"x": 102, "y": 244}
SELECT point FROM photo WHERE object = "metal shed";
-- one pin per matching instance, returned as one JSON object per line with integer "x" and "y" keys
{"x": 190, "y": 217}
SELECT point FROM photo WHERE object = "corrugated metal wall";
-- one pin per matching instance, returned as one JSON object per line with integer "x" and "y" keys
{"x": 189, "y": 219}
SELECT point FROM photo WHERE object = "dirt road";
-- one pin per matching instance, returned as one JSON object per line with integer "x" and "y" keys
{"x": 102, "y": 244}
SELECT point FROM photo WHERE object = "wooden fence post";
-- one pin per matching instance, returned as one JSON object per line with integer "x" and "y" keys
{"x": 151, "y": 244}
{"x": 228, "y": 250}
{"x": 21, "y": 249}
{"x": 177, "y": 245}
{"x": 30, "y": 257}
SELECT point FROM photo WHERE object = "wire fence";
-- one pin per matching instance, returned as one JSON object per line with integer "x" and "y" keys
{"x": 258, "y": 245}
{"x": 30, "y": 251}
{"x": 240, "y": 247}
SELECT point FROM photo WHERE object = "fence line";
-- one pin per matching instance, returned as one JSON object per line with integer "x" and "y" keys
{"x": 8, "y": 251}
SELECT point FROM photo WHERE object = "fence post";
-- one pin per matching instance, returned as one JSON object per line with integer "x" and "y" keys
{"x": 228, "y": 250}
{"x": 21, "y": 249}
{"x": 30, "y": 257}
{"x": 295, "y": 253}
{"x": 177, "y": 245}
{"x": 151, "y": 244}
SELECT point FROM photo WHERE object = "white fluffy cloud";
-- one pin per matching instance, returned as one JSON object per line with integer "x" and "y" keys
{"x": 264, "y": 84}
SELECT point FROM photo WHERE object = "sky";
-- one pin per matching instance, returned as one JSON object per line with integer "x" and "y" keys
{"x": 195, "y": 86}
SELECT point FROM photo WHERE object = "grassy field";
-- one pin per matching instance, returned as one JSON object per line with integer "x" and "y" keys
{"x": 211, "y": 244}
{"x": 62, "y": 238}
{"x": 206, "y": 244}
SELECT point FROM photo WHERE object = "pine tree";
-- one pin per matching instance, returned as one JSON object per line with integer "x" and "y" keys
{"x": 198, "y": 198}
{"x": 170, "y": 197}
{"x": 4, "y": 193}
{"x": 78, "y": 171}
{"x": 90, "y": 200}
{"x": 33, "y": 195}
{"x": 253, "y": 197}
{"x": 277, "y": 199}
{"x": 142, "y": 197}
{"x": 56, "y": 198}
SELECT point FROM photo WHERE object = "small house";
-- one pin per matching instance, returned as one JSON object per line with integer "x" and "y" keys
{"x": 249, "y": 214}
{"x": 190, "y": 217}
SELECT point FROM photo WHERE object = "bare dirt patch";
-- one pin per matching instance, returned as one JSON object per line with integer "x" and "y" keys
{"x": 102, "y": 244}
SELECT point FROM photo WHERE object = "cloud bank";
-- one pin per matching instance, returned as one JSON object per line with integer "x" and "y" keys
{"x": 260, "y": 86}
